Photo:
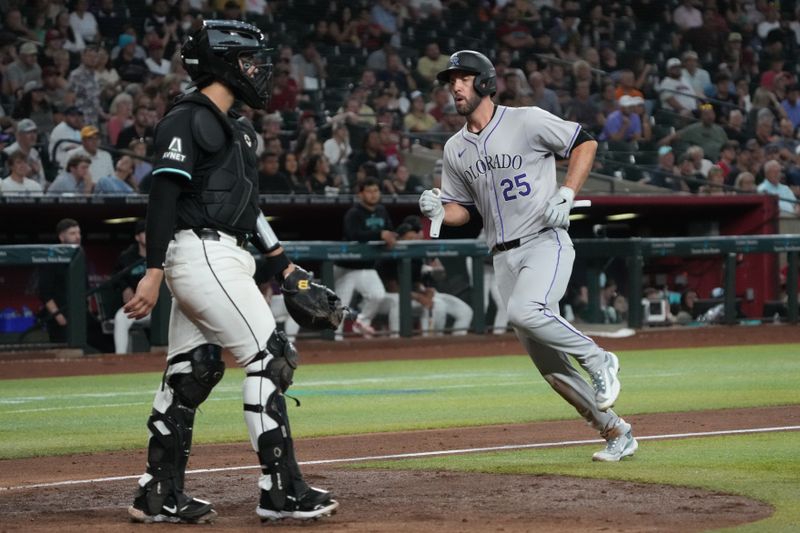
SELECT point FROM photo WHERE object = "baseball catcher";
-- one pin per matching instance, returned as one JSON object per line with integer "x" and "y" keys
{"x": 203, "y": 209}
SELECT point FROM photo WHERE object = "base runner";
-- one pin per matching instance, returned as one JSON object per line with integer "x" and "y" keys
{"x": 503, "y": 161}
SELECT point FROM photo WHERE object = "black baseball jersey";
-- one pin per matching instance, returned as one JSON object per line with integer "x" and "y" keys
{"x": 363, "y": 225}
{"x": 215, "y": 157}
{"x": 130, "y": 256}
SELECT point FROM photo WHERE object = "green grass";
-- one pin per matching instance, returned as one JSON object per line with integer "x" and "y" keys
{"x": 50, "y": 416}
{"x": 762, "y": 466}
{"x": 85, "y": 414}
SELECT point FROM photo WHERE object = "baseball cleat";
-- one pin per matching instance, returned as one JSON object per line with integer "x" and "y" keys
{"x": 606, "y": 384}
{"x": 312, "y": 505}
{"x": 363, "y": 329}
{"x": 623, "y": 445}
{"x": 188, "y": 511}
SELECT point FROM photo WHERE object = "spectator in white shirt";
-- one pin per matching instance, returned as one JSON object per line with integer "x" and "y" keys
{"x": 771, "y": 22}
{"x": 83, "y": 22}
{"x": 101, "y": 163}
{"x": 675, "y": 94}
{"x": 337, "y": 149}
{"x": 686, "y": 16}
{"x": 155, "y": 61}
{"x": 698, "y": 78}
{"x": 66, "y": 135}
{"x": 18, "y": 181}
{"x": 787, "y": 202}
{"x": 26, "y": 134}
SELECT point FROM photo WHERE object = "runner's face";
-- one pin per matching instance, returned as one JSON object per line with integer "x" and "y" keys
{"x": 462, "y": 87}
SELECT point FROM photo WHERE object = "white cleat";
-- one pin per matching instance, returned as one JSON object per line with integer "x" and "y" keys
{"x": 623, "y": 445}
{"x": 606, "y": 383}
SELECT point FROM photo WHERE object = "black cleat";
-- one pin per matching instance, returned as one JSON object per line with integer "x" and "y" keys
{"x": 311, "y": 505}
{"x": 180, "y": 509}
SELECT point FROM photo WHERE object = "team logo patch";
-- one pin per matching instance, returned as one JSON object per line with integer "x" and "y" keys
{"x": 176, "y": 145}
{"x": 454, "y": 60}
{"x": 248, "y": 140}
{"x": 302, "y": 284}
{"x": 174, "y": 150}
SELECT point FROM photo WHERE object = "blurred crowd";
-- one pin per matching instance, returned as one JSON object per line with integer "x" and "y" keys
{"x": 692, "y": 96}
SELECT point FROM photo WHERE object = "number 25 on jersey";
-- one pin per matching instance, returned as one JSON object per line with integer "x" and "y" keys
{"x": 518, "y": 186}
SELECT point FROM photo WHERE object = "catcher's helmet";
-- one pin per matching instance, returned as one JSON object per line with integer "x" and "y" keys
{"x": 475, "y": 63}
{"x": 223, "y": 51}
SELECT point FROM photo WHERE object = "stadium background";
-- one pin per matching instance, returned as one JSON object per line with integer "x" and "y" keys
{"x": 736, "y": 57}
{"x": 753, "y": 386}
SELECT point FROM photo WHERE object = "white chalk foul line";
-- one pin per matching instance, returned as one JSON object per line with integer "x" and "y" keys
{"x": 415, "y": 455}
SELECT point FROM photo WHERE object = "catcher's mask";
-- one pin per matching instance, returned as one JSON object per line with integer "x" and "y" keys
{"x": 233, "y": 53}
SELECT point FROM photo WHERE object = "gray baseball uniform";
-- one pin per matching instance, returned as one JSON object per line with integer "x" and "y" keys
{"x": 508, "y": 171}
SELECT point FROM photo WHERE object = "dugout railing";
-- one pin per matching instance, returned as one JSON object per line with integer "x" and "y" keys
{"x": 635, "y": 251}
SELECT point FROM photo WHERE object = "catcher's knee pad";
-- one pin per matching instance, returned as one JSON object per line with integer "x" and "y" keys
{"x": 280, "y": 369}
{"x": 192, "y": 388}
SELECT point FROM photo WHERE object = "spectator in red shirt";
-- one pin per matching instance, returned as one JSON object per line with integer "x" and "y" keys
{"x": 440, "y": 97}
{"x": 727, "y": 159}
{"x": 284, "y": 92}
{"x": 512, "y": 32}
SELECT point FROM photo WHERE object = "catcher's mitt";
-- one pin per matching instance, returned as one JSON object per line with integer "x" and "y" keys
{"x": 311, "y": 304}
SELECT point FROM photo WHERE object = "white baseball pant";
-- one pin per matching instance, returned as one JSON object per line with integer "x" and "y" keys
{"x": 277, "y": 305}
{"x": 216, "y": 300}
{"x": 445, "y": 305}
{"x": 122, "y": 325}
{"x": 367, "y": 283}
{"x": 391, "y": 306}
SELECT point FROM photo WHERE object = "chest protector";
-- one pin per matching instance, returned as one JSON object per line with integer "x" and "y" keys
{"x": 227, "y": 167}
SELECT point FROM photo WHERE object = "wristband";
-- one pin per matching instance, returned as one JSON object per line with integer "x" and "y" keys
{"x": 275, "y": 265}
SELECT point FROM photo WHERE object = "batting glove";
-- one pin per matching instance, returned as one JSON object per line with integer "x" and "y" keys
{"x": 430, "y": 204}
{"x": 556, "y": 211}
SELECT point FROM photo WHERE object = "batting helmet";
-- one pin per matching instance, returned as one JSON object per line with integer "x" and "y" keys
{"x": 475, "y": 63}
{"x": 224, "y": 51}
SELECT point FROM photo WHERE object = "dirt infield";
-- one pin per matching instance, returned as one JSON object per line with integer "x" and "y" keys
{"x": 392, "y": 501}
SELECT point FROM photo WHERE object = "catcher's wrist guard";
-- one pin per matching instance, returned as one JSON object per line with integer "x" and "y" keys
{"x": 311, "y": 304}
{"x": 274, "y": 265}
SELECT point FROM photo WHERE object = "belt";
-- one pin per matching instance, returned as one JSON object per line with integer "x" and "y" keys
{"x": 503, "y": 246}
{"x": 514, "y": 243}
{"x": 210, "y": 234}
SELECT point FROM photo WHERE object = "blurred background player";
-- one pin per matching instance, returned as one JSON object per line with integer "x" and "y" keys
{"x": 368, "y": 220}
